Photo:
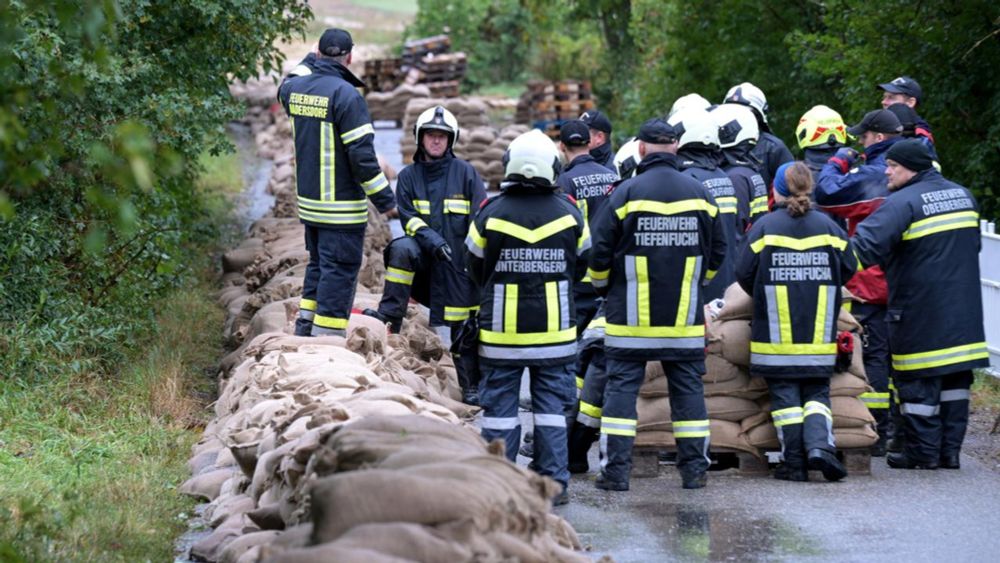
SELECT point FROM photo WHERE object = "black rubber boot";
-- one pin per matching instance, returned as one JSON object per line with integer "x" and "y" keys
{"x": 903, "y": 461}
{"x": 787, "y": 472}
{"x": 581, "y": 438}
{"x": 608, "y": 485}
{"x": 395, "y": 325}
{"x": 827, "y": 463}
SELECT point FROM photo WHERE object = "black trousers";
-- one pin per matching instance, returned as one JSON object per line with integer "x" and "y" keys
{"x": 800, "y": 409}
{"x": 935, "y": 413}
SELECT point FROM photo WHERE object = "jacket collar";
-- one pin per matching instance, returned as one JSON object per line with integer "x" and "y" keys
{"x": 879, "y": 148}
{"x": 602, "y": 153}
{"x": 657, "y": 159}
{"x": 582, "y": 159}
{"x": 922, "y": 176}
{"x": 333, "y": 68}
{"x": 698, "y": 158}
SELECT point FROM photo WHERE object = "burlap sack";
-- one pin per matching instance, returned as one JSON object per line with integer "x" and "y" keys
{"x": 850, "y": 412}
{"x": 846, "y": 385}
{"x": 846, "y": 321}
{"x": 719, "y": 370}
{"x": 405, "y": 540}
{"x": 207, "y": 485}
{"x": 732, "y": 341}
{"x": 240, "y": 545}
{"x": 729, "y": 386}
{"x": 857, "y": 437}
{"x": 732, "y": 409}
{"x": 738, "y": 304}
{"x": 763, "y": 436}
{"x": 653, "y": 413}
{"x": 857, "y": 366}
{"x": 724, "y": 436}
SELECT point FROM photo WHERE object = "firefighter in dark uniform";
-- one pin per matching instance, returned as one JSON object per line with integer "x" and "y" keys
{"x": 821, "y": 132}
{"x": 437, "y": 195}
{"x": 793, "y": 263}
{"x": 738, "y": 134}
{"x": 770, "y": 150}
{"x": 905, "y": 90}
{"x": 600, "y": 137}
{"x": 335, "y": 169}
{"x": 592, "y": 377}
{"x": 526, "y": 249}
{"x": 656, "y": 242}
{"x": 588, "y": 182}
{"x": 926, "y": 238}
{"x": 698, "y": 152}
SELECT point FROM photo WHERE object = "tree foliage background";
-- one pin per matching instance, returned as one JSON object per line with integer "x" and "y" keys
{"x": 105, "y": 106}
{"x": 643, "y": 54}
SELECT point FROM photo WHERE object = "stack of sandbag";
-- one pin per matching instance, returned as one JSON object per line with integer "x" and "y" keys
{"x": 738, "y": 405}
{"x": 469, "y": 111}
{"x": 484, "y": 148}
{"x": 336, "y": 448}
{"x": 391, "y": 105}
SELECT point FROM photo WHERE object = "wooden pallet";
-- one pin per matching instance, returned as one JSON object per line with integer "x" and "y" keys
{"x": 645, "y": 462}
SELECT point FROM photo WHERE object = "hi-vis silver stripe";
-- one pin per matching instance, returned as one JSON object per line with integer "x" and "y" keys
{"x": 773, "y": 324}
{"x": 588, "y": 421}
{"x": 831, "y": 312}
{"x": 527, "y": 353}
{"x": 323, "y": 331}
{"x": 554, "y": 420}
{"x": 308, "y": 315}
{"x": 920, "y": 410}
{"x": 631, "y": 292}
{"x": 500, "y": 423}
{"x": 641, "y": 342}
{"x": 793, "y": 359}
{"x": 327, "y": 162}
{"x": 695, "y": 284}
{"x": 498, "y": 303}
{"x": 954, "y": 395}
{"x": 563, "y": 305}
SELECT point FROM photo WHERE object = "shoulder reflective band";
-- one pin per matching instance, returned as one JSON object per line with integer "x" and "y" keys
{"x": 355, "y": 134}
{"x": 475, "y": 242}
{"x": 726, "y": 204}
{"x": 784, "y": 417}
{"x": 458, "y": 313}
{"x": 807, "y": 243}
{"x": 943, "y": 357}
{"x": 663, "y": 208}
{"x": 918, "y": 409}
{"x": 327, "y": 161}
{"x": 454, "y": 206}
{"x": 758, "y": 205}
{"x": 422, "y": 206}
{"x": 397, "y": 275}
{"x": 691, "y": 429}
{"x": 530, "y": 236}
{"x": 941, "y": 223}
{"x": 618, "y": 426}
{"x": 816, "y": 407}
{"x": 874, "y": 400}
{"x": 414, "y": 225}
{"x": 498, "y": 423}
{"x": 376, "y": 184}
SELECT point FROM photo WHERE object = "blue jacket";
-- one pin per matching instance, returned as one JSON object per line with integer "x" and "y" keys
{"x": 335, "y": 164}
{"x": 926, "y": 238}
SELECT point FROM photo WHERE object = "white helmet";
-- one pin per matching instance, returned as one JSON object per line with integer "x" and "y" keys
{"x": 692, "y": 100}
{"x": 532, "y": 156}
{"x": 627, "y": 158}
{"x": 695, "y": 126}
{"x": 737, "y": 124}
{"x": 748, "y": 95}
{"x": 440, "y": 119}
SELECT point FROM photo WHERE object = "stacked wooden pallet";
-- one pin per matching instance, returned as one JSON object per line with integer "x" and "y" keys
{"x": 383, "y": 75}
{"x": 415, "y": 50}
{"x": 554, "y": 101}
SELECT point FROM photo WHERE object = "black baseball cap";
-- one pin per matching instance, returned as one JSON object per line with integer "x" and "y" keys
{"x": 907, "y": 115}
{"x": 335, "y": 42}
{"x": 658, "y": 132}
{"x": 904, "y": 85}
{"x": 878, "y": 121}
{"x": 574, "y": 133}
{"x": 596, "y": 120}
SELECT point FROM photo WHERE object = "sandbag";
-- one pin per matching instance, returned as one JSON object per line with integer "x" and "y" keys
{"x": 237, "y": 547}
{"x": 857, "y": 437}
{"x": 732, "y": 409}
{"x": 724, "y": 435}
{"x": 207, "y": 485}
{"x": 733, "y": 342}
{"x": 719, "y": 370}
{"x": 850, "y": 412}
{"x": 763, "y": 436}
{"x": 653, "y": 413}
{"x": 738, "y": 304}
{"x": 846, "y": 385}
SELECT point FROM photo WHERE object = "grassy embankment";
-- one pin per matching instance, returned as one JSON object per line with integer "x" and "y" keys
{"x": 986, "y": 392}
{"x": 89, "y": 466}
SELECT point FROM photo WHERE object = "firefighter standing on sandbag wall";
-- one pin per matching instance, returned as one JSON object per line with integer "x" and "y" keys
{"x": 591, "y": 372}
{"x": 657, "y": 241}
{"x": 437, "y": 196}
{"x": 588, "y": 182}
{"x": 770, "y": 151}
{"x": 698, "y": 154}
{"x": 926, "y": 238}
{"x": 853, "y": 191}
{"x": 793, "y": 263}
{"x": 526, "y": 249}
{"x": 335, "y": 170}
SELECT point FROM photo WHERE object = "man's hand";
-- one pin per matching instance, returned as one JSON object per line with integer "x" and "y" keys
{"x": 845, "y": 157}
{"x": 443, "y": 253}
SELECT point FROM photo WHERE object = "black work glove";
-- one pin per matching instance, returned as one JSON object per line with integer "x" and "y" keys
{"x": 844, "y": 158}
{"x": 443, "y": 253}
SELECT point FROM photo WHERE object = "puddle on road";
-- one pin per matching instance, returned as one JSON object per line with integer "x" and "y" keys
{"x": 650, "y": 530}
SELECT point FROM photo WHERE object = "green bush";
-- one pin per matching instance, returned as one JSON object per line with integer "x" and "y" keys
{"x": 105, "y": 107}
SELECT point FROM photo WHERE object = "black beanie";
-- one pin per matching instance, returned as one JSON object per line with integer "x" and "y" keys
{"x": 912, "y": 154}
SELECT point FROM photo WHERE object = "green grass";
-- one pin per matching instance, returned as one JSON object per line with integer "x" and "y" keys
{"x": 408, "y": 7}
{"x": 89, "y": 465}
{"x": 986, "y": 391}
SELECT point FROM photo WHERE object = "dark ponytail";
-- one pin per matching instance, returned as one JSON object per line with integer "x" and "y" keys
{"x": 800, "y": 185}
